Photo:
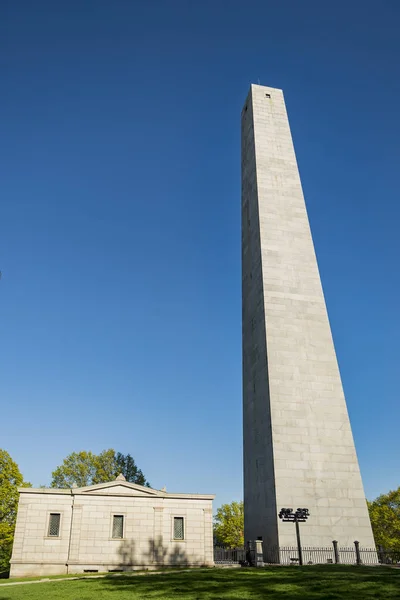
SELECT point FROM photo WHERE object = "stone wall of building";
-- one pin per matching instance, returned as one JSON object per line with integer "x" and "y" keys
{"x": 85, "y": 541}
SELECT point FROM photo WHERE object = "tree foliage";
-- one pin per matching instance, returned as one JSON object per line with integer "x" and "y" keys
{"x": 10, "y": 480}
{"x": 384, "y": 513}
{"x": 77, "y": 470}
{"x": 85, "y": 468}
{"x": 127, "y": 466}
{"x": 229, "y": 525}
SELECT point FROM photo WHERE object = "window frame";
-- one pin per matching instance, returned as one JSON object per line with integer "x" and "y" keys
{"x": 118, "y": 514}
{"x": 173, "y": 538}
{"x": 47, "y": 534}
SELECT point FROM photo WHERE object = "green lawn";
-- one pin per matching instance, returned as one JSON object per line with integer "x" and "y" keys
{"x": 271, "y": 583}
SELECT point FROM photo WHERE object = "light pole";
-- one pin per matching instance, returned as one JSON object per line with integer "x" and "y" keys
{"x": 300, "y": 516}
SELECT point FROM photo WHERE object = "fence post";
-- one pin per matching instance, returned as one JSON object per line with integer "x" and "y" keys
{"x": 259, "y": 553}
{"x": 254, "y": 553}
{"x": 336, "y": 551}
{"x": 358, "y": 555}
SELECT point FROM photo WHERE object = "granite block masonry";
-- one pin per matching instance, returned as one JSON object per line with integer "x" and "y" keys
{"x": 298, "y": 445}
{"x": 114, "y": 526}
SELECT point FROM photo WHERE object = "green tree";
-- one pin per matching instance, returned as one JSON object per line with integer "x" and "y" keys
{"x": 104, "y": 466}
{"x": 10, "y": 480}
{"x": 384, "y": 513}
{"x": 229, "y": 525}
{"x": 127, "y": 466}
{"x": 85, "y": 468}
{"x": 78, "y": 469}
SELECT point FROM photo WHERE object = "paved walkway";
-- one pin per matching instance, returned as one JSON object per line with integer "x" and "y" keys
{"x": 47, "y": 579}
{"x": 129, "y": 573}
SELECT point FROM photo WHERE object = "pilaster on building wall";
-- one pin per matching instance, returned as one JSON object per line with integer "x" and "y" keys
{"x": 298, "y": 445}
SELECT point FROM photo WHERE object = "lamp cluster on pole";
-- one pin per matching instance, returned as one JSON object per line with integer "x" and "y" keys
{"x": 299, "y": 516}
{"x": 287, "y": 515}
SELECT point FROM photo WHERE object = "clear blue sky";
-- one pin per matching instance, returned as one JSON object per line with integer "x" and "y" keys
{"x": 120, "y": 301}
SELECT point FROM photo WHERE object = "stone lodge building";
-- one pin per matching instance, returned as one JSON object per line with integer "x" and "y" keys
{"x": 110, "y": 527}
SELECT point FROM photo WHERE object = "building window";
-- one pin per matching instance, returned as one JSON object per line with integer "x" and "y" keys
{"x": 268, "y": 95}
{"x": 179, "y": 532}
{"x": 118, "y": 527}
{"x": 54, "y": 524}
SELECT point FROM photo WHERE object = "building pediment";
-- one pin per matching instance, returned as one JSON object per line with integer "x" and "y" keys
{"x": 118, "y": 487}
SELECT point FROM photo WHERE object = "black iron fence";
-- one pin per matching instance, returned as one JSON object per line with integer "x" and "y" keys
{"x": 229, "y": 556}
{"x": 289, "y": 555}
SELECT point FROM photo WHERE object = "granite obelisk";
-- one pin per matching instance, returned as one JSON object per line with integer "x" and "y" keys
{"x": 298, "y": 445}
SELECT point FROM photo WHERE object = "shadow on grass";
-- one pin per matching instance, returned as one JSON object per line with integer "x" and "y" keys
{"x": 273, "y": 583}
